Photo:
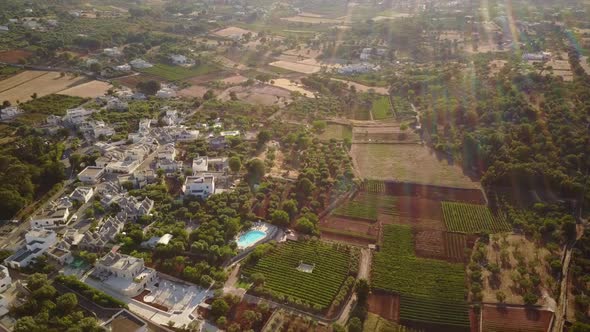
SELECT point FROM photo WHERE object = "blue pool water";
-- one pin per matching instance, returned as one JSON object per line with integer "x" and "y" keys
{"x": 250, "y": 237}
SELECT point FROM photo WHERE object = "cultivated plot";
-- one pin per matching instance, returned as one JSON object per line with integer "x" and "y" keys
{"x": 23, "y": 86}
{"x": 399, "y": 162}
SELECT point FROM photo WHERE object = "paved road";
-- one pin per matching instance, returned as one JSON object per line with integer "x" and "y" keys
{"x": 364, "y": 273}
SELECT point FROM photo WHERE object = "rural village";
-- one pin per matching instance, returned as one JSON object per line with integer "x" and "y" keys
{"x": 321, "y": 165}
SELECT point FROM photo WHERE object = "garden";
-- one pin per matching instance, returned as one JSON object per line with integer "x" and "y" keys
{"x": 276, "y": 274}
{"x": 471, "y": 218}
{"x": 431, "y": 291}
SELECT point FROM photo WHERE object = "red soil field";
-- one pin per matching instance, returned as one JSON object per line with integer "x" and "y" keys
{"x": 474, "y": 196}
{"x": 474, "y": 320}
{"x": 350, "y": 224}
{"x": 418, "y": 208}
{"x": 510, "y": 319}
{"x": 350, "y": 239}
{"x": 384, "y": 305}
{"x": 14, "y": 56}
{"x": 429, "y": 243}
{"x": 455, "y": 245}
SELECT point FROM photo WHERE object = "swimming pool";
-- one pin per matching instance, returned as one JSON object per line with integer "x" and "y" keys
{"x": 250, "y": 238}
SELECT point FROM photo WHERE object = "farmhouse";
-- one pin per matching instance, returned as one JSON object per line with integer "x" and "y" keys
{"x": 124, "y": 274}
{"x": 124, "y": 68}
{"x": 91, "y": 174}
{"x": 112, "y": 52}
{"x": 94, "y": 240}
{"x": 140, "y": 64}
{"x": 231, "y": 133}
{"x": 157, "y": 240}
{"x": 5, "y": 279}
{"x": 200, "y": 164}
{"x": 168, "y": 152}
{"x": 202, "y": 186}
{"x": 76, "y": 116}
{"x": 178, "y": 59}
{"x": 50, "y": 218}
{"x": 9, "y": 112}
{"x": 186, "y": 135}
{"x": 37, "y": 241}
{"x": 166, "y": 93}
{"x": 82, "y": 194}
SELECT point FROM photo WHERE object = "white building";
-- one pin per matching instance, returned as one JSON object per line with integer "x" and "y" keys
{"x": 124, "y": 274}
{"x": 51, "y": 218}
{"x": 200, "y": 165}
{"x": 179, "y": 59}
{"x": 99, "y": 128}
{"x": 137, "y": 152}
{"x": 91, "y": 174}
{"x": 9, "y": 112}
{"x": 124, "y": 68}
{"x": 169, "y": 166}
{"x": 82, "y": 194}
{"x": 115, "y": 104}
{"x": 37, "y": 241}
{"x": 5, "y": 279}
{"x": 167, "y": 151}
{"x": 166, "y": 93}
{"x": 77, "y": 116}
{"x": 112, "y": 52}
{"x": 170, "y": 118}
{"x": 230, "y": 133}
{"x": 98, "y": 239}
{"x": 202, "y": 186}
{"x": 185, "y": 135}
{"x": 157, "y": 240}
{"x": 140, "y": 64}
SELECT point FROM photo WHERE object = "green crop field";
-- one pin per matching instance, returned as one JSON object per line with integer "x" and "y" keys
{"x": 366, "y": 206}
{"x": 471, "y": 218}
{"x": 373, "y": 186}
{"x": 176, "y": 73}
{"x": 283, "y": 282}
{"x": 422, "y": 282}
{"x": 381, "y": 109}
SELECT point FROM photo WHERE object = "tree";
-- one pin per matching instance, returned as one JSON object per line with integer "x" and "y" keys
{"x": 355, "y": 325}
{"x": 149, "y": 88}
{"x": 219, "y": 308}
{"x": 500, "y": 296}
{"x": 262, "y": 138}
{"x": 95, "y": 67}
{"x": 530, "y": 298}
{"x": 235, "y": 164}
{"x": 36, "y": 281}
{"x": 67, "y": 302}
{"x": 291, "y": 207}
{"x": 568, "y": 228}
{"x": 256, "y": 170}
{"x": 319, "y": 125}
{"x": 26, "y": 324}
{"x": 280, "y": 218}
{"x": 233, "y": 96}
{"x": 362, "y": 290}
{"x": 305, "y": 226}
{"x": 210, "y": 94}
{"x": 305, "y": 187}
{"x": 34, "y": 96}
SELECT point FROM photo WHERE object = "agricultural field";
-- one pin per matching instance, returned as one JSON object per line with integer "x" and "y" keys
{"x": 381, "y": 109}
{"x": 260, "y": 94}
{"x": 385, "y": 305}
{"x": 398, "y": 162}
{"x": 131, "y": 81}
{"x": 365, "y": 88}
{"x": 349, "y": 230}
{"x": 317, "y": 289}
{"x": 505, "y": 251}
{"x": 471, "y": 218}
{"x": 390, "y": 133}
{"x": 14, "y": 56}
{"x": 402, "y": 109}
{"x": 375, "y": 323}
{"x": 373, "y": 186}
{"x": 22, "y": 86}
{"x": 431, "y": 291}
{"x": 296, "y": 66}
{"x": 366, "y": 206}
{"x": 508, "y": 319}
{"x": 336, "y": 131}
{"x": 90, "y": 89}
{"x": 177, "y": 73}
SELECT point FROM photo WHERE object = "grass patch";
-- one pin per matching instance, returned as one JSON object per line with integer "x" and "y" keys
{"x": 336, "y": 131}
{"x": 472, "y": 218}
{"x": 177, "y": 73}
{"x": 381, "y": 109}
{"x": 433, "y": 291}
